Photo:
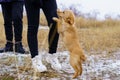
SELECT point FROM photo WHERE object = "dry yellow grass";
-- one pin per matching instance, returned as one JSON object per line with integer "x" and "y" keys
{"x": 94, "y": 35}
{"x": 2, "y": 37}
{"x": 86, "y": 23}
{"x": 100, "y": 38}
{"x": 43, "y": 20}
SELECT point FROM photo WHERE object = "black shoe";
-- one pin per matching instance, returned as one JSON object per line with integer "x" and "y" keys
{"x": 19, "y": 48}
{"x": 8, "y": 48}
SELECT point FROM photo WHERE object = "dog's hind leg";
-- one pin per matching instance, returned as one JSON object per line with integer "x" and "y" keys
{"x": 76, "y": 71}
{"x": 80, "y": 68}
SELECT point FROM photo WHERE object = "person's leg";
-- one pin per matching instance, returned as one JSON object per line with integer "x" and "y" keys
{"x": 7, "y": 16}
{"x": 33, "y": 23}
{"x": 17, "y": 15}
{"x": 50, "y": 8}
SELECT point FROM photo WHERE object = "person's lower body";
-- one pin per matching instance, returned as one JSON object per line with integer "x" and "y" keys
{"x": 50, "y": 12}
{"x": 13, "y": 14}
{"x": 33, "y": 23}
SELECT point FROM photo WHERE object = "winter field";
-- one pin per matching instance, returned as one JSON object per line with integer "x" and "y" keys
{"x": 97, "y": 67}
{"x": 100, "y": 41}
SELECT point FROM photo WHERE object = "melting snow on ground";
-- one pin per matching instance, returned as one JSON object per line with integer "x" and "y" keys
{"x": 97, "y": 67}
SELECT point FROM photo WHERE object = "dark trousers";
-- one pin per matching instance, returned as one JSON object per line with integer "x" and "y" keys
{"x": 12, "y": 15}
{"x": 49, "y": 8}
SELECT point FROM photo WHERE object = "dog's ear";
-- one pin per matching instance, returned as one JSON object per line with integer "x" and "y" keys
{"x": 70, "y": 20}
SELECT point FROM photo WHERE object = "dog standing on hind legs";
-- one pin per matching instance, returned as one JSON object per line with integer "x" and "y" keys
{"x": 66, "y": 27}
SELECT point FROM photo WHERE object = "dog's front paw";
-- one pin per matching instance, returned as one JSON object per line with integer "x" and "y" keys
{"x": 55, "y": 19}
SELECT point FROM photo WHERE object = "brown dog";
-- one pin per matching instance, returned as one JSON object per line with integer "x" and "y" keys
{"x": 66, "y": 27}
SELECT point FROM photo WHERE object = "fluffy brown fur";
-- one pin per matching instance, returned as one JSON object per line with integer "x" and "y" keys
{"x": 66, "y": 27}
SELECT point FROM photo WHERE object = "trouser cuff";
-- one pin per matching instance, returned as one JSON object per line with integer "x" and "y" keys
{"x": 52, "y": 50}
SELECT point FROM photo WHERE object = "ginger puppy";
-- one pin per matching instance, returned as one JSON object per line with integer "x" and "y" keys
{"x": 66, "y": 27}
